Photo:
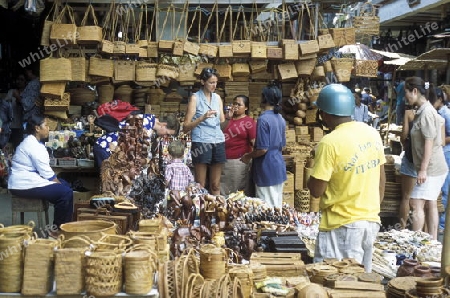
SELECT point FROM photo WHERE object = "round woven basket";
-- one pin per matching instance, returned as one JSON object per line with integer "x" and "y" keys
{"x": 103, "y": 273}
{"x": 147, "y": 239}
{"x": 139, "y": 270}
{"x": 11, "y": 268}
{"x": 124, "y": 93}
{"x": 213, "y": 261}
{"x": 94, "y": 229}
{"x": 150, "y": 225}
{"x": 17, "y": 230}
{"x": 114, "y": 242}
{"x": 80, "y": 96}
{"x": 105, "y": 93}
{"x": 302, "y": 200}
{"x": 245, "y": 276}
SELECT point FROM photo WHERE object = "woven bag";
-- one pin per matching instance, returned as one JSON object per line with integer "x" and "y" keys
{"x": 290, "y": 51}
{"x": 61, "y": 104}
{"x": 224, "y": 71}
{"x": 124, "y": 70}
{"x": 318, "y": 73}
{"x": 94, "y": 229}
{"x": 243, "y": 46}
{"x": 208, "y": 50}
{"x": 168, "y": 71}
{"x": 140, "y": 266}
{"x": 213, "y": 261}
{"x": 146, "y": 71}
{"x": 325, "y": 42}
{"x": 259, "y": 50}
{"x": 11, "y": 268}
{"x": 187, "y": 71}
{"x": 367, "y": 23}
{"x": 101, "y": 67}
{"x": 103, "y": 273}
{"x": 54, "y": 90}
{"x": 78, "y": 67}
{"x": 106, "y": 45}
{"x": 48, "y": 22}
{"x": 38, "y": 258}
{"x": 64, "y": 32}
{"x": 240, "y": 69}
{"x": 274, "y": 53}
{"x": 287, "y": 71}
{"x": 343, "y": 36}
{"x": 89, "y": 34}
{"x": 342, "y": 68}
{"x": 152, "y": 49}
{"x": 366, "y": 68}
{"x": 201, "y": 66}
{"x": 55, "y": 70}
{"x": 305, "y": 67}
{"x": 309, "y": 47}
{"x": 258, "y": 66}
{"x": 225, "y": 50}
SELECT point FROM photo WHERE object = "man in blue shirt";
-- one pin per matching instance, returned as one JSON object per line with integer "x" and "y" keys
{"x": 361, "y": 113}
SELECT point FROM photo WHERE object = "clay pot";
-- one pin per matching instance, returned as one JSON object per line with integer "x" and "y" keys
{"x": 422, "y": 271}
{"x": 407, "y": 268}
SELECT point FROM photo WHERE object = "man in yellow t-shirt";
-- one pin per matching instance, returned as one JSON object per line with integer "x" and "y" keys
{"x": 348, "y": 176}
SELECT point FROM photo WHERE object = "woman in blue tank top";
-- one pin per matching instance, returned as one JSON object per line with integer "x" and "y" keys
{"x": 203, "y": 117}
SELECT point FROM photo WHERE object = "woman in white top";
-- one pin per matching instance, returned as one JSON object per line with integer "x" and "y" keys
{"x": 33, "y": 178}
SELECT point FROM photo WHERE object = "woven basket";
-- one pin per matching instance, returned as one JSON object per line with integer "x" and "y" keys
{"x": 55, "y": 70}
{"x": 146, "y": 71}
{"x": 148, "y": 239}
{"x": 124, "y": 70}
{"x": 290, "y": 51}
{"x": 18, "y": 230}
{"x": 94, "y": 229}
{"x": 240, "y": 69}
{"x": 366, "y": 68}
{"x": 105, "y": 93}
{"x": 69, "y": 270}
{"x": 64, "y": 32}
{"x": 318, "y": 73}
{"x": 343, "y": 36}
{"x": 57, "y": 104}
{"x": 139, "y": 269}
{"x": 186, "y": 265}
{"x": 305, "y": 67}
{"x": 224, "y": 71}
{"x": 309, "y": 47}
{"x": 103, "y": 273}
{"x": 287, "y": 71}
{"x": 342, "y": 68}
{"x": 151, "y": 225}
{"x": 168, "y": 71}
{"x": 208, "y": 50}
{"x": 11, "y": 268}
{"x": 168, "y": 282}
{"x": 225, "y": 51}
{"x": 213, "y": 261}
{"x": 101, "y": 67}
{"x": 259, "y": 50}
{"x": 80, "y": 96}
{"x": 54, "y": 90}
{"x": 241, "y": 47}
{"x": 367, "y": 22}
{"x": 245, "y": 275}
{"x": 38, "y": 258}
{"x": 78, "y": 66}
{"x": 119, "y": 47}
{"x": 89, "y": 34}
{"x": 194, "y": 286}
{"x": 302, "y": 200}
{"x": 112, "y": 242}
{"x": 152, "y": 49}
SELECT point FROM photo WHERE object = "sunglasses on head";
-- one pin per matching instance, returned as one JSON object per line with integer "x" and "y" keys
{"x": 211, "y": 70}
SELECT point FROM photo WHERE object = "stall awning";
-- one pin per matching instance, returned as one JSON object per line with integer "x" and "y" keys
{"x": 417, "y": 64}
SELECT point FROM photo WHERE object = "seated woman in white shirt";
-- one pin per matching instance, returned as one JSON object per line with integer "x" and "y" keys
{"x": 32, "y": 177}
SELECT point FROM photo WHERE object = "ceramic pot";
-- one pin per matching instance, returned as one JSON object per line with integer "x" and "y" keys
{"x": 407, "y": 268}
{"x": 435, "y": 271}
{"x": 422, "y": 271}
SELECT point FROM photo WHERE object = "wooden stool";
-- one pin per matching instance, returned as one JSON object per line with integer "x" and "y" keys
{"x": 22, "y": 205}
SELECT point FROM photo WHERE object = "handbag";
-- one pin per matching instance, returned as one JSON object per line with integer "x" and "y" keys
{"x": 48, "y": 22}
{"x": 66, "y": 32}
{"x": 89, "y": 34}
{"x": 225, "y": 50}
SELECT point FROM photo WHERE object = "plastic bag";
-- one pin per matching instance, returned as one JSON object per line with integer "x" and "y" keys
{"x": 34, "y": 7}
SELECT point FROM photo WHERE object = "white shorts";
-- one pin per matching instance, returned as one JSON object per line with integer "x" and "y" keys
{"x": 354, "y": 240}
{"x": 430, "y": 189}
{"x": 272, "y": 195}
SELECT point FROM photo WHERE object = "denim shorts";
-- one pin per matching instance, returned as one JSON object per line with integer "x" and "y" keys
{"x": 208, "y": 153}
{"x": 407, "y": 168}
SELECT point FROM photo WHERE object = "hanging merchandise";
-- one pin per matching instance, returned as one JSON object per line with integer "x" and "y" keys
{"x": 226, "y": 50}
{"x": 241, "y": 47}
{"x": 89, "y": 34}
{"x": 207, "y": 50}
{"x": 62, "y": 32}
{"x": 48, "y": 22}
{"x": 107, "y": 45}
{"x": 34, "y": 7}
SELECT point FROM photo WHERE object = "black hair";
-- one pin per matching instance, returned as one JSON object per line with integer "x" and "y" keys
{"x": 33, "y": 121}
{"x": 207, "y": 73}
{"x": 271, "y": 94}
{"x": 426, "y": 89}
{"x": 245, "y": 100}
{"x": 357, "y": 93}
{"x": 440, "y": 93}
